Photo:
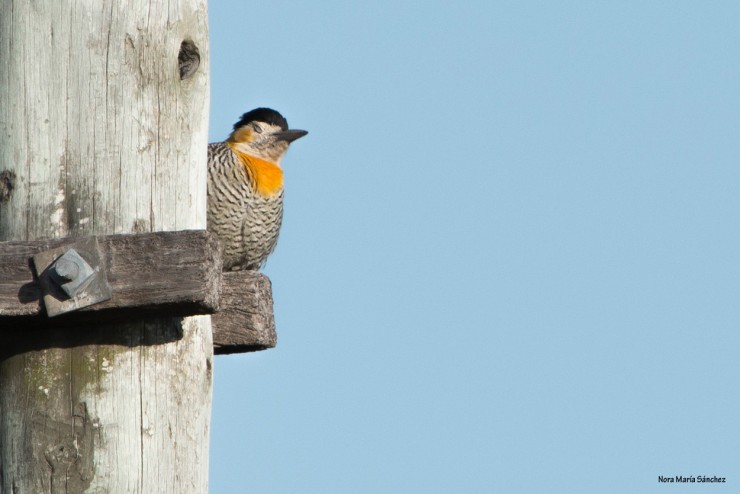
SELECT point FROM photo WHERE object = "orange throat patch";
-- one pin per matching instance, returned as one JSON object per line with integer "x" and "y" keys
{"x": 267, "y": 176}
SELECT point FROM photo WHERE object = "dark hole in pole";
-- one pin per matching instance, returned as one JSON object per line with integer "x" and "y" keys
{"x": 7, "y": 184}
{"x": 189, "y": 59}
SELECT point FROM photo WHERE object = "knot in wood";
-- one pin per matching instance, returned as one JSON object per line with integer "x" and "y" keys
{"x": 188, "y": 59}
{"x": 7, "y": 184}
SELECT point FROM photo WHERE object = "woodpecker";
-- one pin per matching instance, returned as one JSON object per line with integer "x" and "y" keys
{"x": 245, "y": 187}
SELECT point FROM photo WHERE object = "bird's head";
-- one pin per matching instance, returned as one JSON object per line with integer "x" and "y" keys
{"x": 263, "y": 133}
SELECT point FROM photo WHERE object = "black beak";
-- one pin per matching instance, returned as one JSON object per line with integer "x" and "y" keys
{"x": 290, "y": 135}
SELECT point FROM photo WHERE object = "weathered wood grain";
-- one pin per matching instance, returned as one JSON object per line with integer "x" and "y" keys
{"x": 163, "y": 273}
{"x": 100, "y": 136}
{"x": 245, "y": 320}
{"x": 151, "y": 275}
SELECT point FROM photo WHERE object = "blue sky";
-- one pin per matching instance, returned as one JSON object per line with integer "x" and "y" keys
{"x": 509, "y": 261}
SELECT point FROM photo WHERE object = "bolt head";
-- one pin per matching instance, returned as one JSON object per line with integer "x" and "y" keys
{"x": 66, "y": 270}
{"x": 71, "y": 273}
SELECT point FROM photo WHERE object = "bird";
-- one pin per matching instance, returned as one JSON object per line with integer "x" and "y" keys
{"x": 245, "y": 187}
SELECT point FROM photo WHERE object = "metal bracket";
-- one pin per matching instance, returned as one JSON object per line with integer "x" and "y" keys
{"x": 72, "y": 276}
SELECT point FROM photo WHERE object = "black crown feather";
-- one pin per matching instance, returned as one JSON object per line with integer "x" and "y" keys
{"x": 266, "y": 115}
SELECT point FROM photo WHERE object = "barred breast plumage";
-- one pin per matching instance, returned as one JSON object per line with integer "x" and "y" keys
{"x": 245, "y": 187}
{"x": 246, "y": 222}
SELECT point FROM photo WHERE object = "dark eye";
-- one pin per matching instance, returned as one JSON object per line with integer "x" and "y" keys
{"x": 257, "y": 128}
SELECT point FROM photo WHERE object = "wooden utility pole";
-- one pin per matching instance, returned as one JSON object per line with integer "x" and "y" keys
{"x": 99, "y": 135}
